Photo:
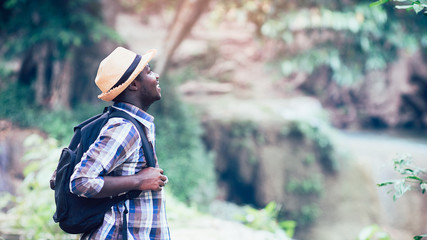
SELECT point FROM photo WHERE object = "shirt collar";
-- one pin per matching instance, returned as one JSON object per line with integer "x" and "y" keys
{"x": 135, "y": 112}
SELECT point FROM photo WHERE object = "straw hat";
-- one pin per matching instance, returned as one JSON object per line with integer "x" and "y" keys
{"x": 118, "y": 70}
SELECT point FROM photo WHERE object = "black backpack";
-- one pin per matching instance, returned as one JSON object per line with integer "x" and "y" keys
{"x": 79, "y": 214}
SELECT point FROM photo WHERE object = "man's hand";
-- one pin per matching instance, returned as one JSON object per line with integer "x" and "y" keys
{"x": 151, "y": 179}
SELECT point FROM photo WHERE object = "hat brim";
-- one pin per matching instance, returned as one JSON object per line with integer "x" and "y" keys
{"x": 114, "y": 92}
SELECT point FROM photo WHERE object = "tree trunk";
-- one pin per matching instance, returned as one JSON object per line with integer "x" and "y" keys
{"x": 28, "y": 69}
{"x": 187, "y": 14}
{"x": 40, "y": 90}
{"x": 50, "y": 76}
{"x": 60, "y": 86}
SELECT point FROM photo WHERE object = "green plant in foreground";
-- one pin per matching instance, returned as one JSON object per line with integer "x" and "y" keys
{"x": 266, "y": 219}
{"x": 413, "y": 178}
{"x": 29, "y": 214}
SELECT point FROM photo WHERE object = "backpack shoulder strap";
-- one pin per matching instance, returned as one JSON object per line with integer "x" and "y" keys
{"x": 148, "y": 150}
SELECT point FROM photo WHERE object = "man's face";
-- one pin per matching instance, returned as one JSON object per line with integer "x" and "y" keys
{"x": 150, "y": 90}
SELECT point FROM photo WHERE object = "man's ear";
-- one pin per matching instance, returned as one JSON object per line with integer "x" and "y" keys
{"x": 133, "y": 86}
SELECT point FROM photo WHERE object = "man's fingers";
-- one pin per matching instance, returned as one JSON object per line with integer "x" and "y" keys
{"x": 163, "y": 177}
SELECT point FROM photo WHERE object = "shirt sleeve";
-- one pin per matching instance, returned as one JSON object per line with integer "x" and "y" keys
{"x": 116, "y": 142}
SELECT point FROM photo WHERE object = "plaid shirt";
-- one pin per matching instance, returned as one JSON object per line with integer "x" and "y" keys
{"x": 118, "y": 152}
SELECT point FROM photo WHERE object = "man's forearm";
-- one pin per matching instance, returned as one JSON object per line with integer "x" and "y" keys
{"x": 114, "y": 185}
{"x": 147, "y": 179}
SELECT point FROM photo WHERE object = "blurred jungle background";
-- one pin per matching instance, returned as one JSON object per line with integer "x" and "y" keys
{"x": 278, "y": 118}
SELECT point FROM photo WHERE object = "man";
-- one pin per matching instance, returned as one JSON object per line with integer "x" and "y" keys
{"x": 115, "y": 163}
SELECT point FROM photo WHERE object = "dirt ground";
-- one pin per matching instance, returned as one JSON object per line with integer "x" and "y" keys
{"x": 210, "y": 228}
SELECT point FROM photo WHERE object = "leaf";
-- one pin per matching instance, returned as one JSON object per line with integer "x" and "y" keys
{"x": 400, "y": 188}
{"x": 420, "y": 237}
{"x": 5, "y": 199}
{"x": 385, "y": 183}
{"x": 32, "y": 167}
{"x": 270, "y": 208}
{"x": 403, "y": 6}
{"x": 417, "y": 7}
{"x": 414, "y": 178}
{"x": 289, "y": 227}
{"x": 378, "y": 3}
{"x": 368, "y": 232}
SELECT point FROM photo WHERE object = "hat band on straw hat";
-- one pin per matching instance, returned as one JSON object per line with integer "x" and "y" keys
{"x": 128, "y": 72}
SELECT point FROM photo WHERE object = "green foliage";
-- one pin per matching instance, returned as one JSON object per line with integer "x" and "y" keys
{"x": 306, "y": 189}
{"x": 309, "y": 159}
{"x": 350, "y": 38}
{"x": 242, "y": 129}
{"x": 16, "y": 104}
{"x": 184, "y": 159}
{"x": 321, "y": 135}
{"x": 310, "y": 186}
{"x": 308, "y": 214}
{"x": 305, "y": 215}
{"x": 373, "y": 232}
{"x": 289, "y": 227}
{"x": 60, "y": 123}
{"x": 19, "y": 107}
{"x": 62, "y": 25}
{"x": 417, "y": 6}
{"x": 50, "y": 40}
{"x": 413, "y": 177}
{"x": 180, "y": 150}
{"x": 29, "y": 214}
{"x": 311, "y": 60}
{"x": 266, "y": 219}
{"x": 364, "y": 41}
{"x": 5, "y": 73}
{"x": 244, "y": 136}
